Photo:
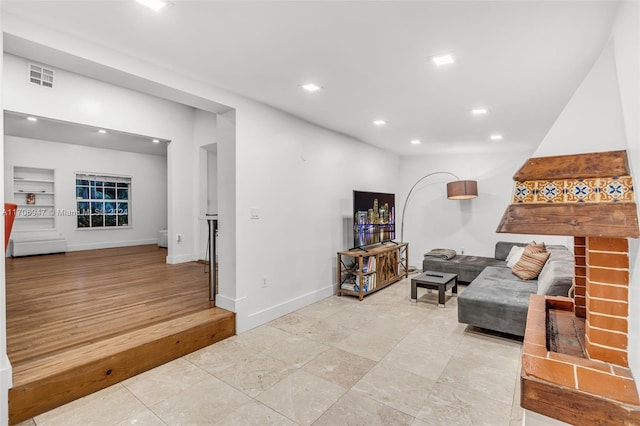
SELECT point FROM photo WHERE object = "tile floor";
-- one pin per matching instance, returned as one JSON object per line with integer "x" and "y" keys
{"x": 382, "y": 361}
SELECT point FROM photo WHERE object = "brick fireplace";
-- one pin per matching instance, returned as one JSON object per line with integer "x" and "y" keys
{"x": 575, "y": 364}
{"x": 607, "y": 299}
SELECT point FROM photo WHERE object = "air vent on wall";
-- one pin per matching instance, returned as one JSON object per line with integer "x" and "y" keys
{"x": 40, "y": 75}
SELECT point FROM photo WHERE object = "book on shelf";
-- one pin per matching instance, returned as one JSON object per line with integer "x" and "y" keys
{"x": 348, "y": 286}
{"x": 368, "y": 283}
{"x": 369, "y": 264}
{"x": 365, "y": 288}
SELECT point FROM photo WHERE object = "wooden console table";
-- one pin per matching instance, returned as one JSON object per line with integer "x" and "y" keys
{"x": 364, "y": 271}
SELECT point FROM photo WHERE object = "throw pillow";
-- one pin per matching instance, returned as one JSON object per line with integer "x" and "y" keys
{"x": 514, "y": 255}
{"x": 530, "y": 265}
{"x": 534, "y": 247}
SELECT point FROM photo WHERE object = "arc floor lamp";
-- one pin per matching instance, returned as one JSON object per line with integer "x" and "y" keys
{"x": 456, "y": 190}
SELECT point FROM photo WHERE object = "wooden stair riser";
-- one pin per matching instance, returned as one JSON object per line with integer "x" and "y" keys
{"x": 30, "y": 399}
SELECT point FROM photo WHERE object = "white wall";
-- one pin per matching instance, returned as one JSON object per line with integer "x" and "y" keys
{"x": 83, "y": 100}
{"x": 626, "y": 38}
{"x": 227, "y": 253}
{"x": 592, "y": 120}
{"x": 432, "y": 221}
{"x": 300, "y": 178}
{"x": 148, "y": 207}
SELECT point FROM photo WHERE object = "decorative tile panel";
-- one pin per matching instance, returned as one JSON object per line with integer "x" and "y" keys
{"x": 588, "y": 190}
{"x": 551, "y": 191}
{"x": 523, "y": 192}
{"x": 616, "y": 189}
{"x": 582, "y": 190}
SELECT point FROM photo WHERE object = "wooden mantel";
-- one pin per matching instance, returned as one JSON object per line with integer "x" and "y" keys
{"x": 573, "y": 195}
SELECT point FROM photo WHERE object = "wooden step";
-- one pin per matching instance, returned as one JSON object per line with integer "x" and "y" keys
{"x": 42, "y": 384}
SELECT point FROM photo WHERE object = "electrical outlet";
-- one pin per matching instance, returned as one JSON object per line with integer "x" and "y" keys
{"x": 264, "y": 282}
{"x": 461, "y": 250}
{"x": 178, "y": 238}
{"x": 255, "y": 213}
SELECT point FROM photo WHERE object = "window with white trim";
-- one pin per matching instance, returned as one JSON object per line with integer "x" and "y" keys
{"x": 102, "y": 201}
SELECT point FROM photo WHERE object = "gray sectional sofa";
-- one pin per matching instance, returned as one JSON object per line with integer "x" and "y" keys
{"x": 498, "y": 300}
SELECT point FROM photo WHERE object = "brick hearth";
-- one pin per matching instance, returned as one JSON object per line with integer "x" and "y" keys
{"x": 571, "y": 388}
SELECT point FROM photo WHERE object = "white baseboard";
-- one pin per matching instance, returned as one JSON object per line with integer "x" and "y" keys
{"x": 225, "y": 302}
{"x": 110, "y": 244}
{"x": 246, "y": 322}
{"x": 172, "y": 260}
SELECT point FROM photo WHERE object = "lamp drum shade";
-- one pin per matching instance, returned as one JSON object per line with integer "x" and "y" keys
{"x": 462, "y": 190}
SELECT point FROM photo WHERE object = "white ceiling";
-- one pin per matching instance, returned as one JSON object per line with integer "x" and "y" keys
{"x": 17, "y": 124}
{"x": 522, "y": 60}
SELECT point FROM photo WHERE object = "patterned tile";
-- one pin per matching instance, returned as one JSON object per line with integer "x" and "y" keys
{"x": 582, "y": 190}
{"x": 588, "y": 190}
{"x": 616, "y": 189}
{"x": 523, "y": 192}
{"x": 551, "y": 191}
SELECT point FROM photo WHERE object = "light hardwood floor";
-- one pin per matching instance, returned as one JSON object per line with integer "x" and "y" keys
{"x": 58, "y": 302}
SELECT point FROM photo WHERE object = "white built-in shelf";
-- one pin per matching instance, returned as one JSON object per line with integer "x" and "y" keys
{"x": 33, "y": 180}
{"x": 33, "y": 192}
{"x": 37, "y": 184}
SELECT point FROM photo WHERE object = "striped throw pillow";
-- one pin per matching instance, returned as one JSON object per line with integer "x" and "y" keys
{"x": 534, "y": 247}
{"x": 530, "y": 265}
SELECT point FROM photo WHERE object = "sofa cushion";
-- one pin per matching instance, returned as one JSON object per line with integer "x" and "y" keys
{"x": 496, "y": 300}
{"x": 530, "y": 264}
{"x": 534, "y": 247}
{"x": 514, "y": 255}
{"x": 556, "y": 277}
{"x": 503, "y": 248}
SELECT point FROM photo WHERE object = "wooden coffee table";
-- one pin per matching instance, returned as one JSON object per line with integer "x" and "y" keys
{"x": 440, "y": 281}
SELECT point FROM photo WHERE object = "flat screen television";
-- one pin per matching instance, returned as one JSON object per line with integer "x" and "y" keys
{"x": 374, "y": 218}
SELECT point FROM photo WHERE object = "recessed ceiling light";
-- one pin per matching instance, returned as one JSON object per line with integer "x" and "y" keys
{"x": 156, "y": 5}
{"x": 156, "y": 141}
{"x": 379, "y": 122}
{"x": 496, "y": 137}
{"x": 443, "y": 59}
{"x": 103, "y": 131}
{"x": 32, "y": 119}
{"x": 415, "y": 142}
{"x": 479, "y": 111}
{"x": 311, "y": 87}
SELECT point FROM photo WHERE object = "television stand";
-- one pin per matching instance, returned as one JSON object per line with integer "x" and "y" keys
{"x": 362, "y": 272}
